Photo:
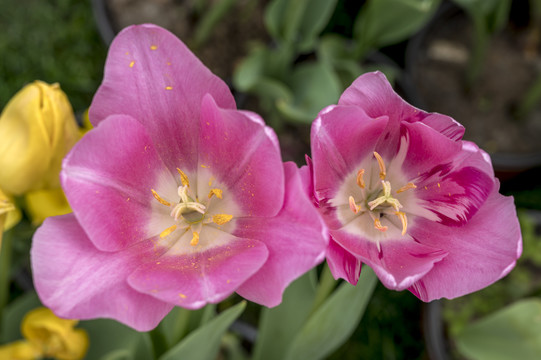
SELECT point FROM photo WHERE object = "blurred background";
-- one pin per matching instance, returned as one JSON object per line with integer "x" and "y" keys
{"x": 287, "y": 60}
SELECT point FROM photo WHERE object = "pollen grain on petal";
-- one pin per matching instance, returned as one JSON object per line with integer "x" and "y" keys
{"x": 132, "y": 63}
{"x": 167, "y": 231}
{"x": 160, "y": 199}
{"x": 382, "y": 170}
{"x": 183, "y": 178}
{"x": 168, "y": 88}
{"x": 153, "y": 47}
{"x": 408, "y": 186}
{"x": 221, "y": 219}
{"x": 217, "y": 192}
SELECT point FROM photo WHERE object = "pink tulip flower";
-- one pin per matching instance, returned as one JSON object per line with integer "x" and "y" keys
{"x": 400, "y": 191}
{"x": 178, "y": 198}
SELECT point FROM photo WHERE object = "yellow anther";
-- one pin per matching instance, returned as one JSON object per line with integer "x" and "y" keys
{"x": 160, "y": 199}
{"x": 354, "y": 207}
{"x": 382, "y": 171}
{"x": 195, "y": 239}
{"x": 221, "y": 219}
{"x": 408, "y": 186}
{"x": 377, "y": 225}
{"x": 167, "y": 231}
{"x": 402, "y": 216}
{"x": 360, "y": 180}
{"x": 216, "y": 192}
{"x": 183, "y": 178}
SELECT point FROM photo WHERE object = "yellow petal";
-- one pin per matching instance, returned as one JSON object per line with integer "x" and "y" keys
{"x": 55, "y": 337}
{"x": 41, "y": 204}
{"x": 19, "y": 350}
{"x": 37, "y": 129}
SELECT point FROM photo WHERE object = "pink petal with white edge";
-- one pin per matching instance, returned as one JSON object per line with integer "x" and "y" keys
{"x": 241, "y": 152}
{"x": 479, "y": 253}
{"x": 107, "y": 179}
{"x": 296, "y": 239}
{"x": 152, "y": 76}
{"x": 342, "y": 263}
{"x": 341, "y": 137}
{"x": 77, "y": 281}
{"x": 399, "y": 264}
{"x": 201, "y": 277}
{"x": 373, "y": 93}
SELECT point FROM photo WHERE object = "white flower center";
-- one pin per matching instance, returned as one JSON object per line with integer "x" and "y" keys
{"x": 378, "y": 199}
{"x": 191, "y": 213}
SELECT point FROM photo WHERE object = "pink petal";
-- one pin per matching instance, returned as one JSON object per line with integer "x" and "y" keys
{"x": 481, "y": 252}
{"x": 152, "y": 76}
{"x": 342, "y": 263}
{"x": 107, "y": 179}
{"x": 193, "y": 280}
{"x": 452, "y": 177}
{"x": 243, "y": 153}
{"x": 77, "y": 281}
{"x": 400, "y": 262}
{"x": 296, "y": 240}
{"x": 373, "y": 93}
{"x": 341, "y": 137}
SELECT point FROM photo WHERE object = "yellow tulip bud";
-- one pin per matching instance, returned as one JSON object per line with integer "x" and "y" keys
{"x": 37, "y": 129}
{"x": 54, "y": 337}
{"x": 19, "y": 350}
{"x": 9, "y": 215}
{"x": 41, "y": 204}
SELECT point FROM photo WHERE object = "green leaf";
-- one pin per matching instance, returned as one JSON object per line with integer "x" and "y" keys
{"x": 112, "y": 340}
{"x": 334, "y": 321}
{"x": 14, "y": 314}
{"x": 204, "y": 343}
{"x": 251, "y": 69}
{"x": 314, "y": 85}
{"x": 175, "y": 325}
{"x": 298, "y": 22}
{"x": 386, "y": 22}
{"x": 279, "y": 325}
{"x": 511, "y": 333}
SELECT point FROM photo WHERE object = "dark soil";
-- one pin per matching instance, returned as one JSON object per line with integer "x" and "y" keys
{"x": 438, "y": 67}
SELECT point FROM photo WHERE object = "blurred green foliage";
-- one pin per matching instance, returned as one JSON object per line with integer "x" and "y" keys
{"x": 53, "y": 41}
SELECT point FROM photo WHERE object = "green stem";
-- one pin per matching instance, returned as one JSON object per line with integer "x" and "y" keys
{"x": 325, "y": 287}
{"x": 159, "y": 342}
{"x": 478, "y": 53}
{"x": 5, "y": 270}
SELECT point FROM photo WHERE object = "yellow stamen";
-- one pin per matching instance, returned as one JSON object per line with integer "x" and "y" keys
{"x": 354, "y": 207}
{"x": 408, "y": 186}
{"x": 377, "y": 225}
{"x": 168, "y": 231}
{"x": 221, "y": 219}
{"x": 160, "y": 199}
{"x": 216, "y": 192}
{"x": 360, "y": 180}
{"x": 183, "y": 178}
{"x": 195, "y": 239}
{"x": 382, "y": 171}
{"x": 402, "y": 216}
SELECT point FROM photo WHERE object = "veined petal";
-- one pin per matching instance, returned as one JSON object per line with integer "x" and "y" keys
{"x": 108, "y": 178}
{"x": 481, "y": 252}
{"x": 78, "y": 281}
{"x": 192, "y": 280}
{"x": 296, "y": 239}
{"x": 241, "y": 152}
{"x": 398, "y": 263}
{"x": 373, "y": 93}
{"x": 152, "y": 76}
